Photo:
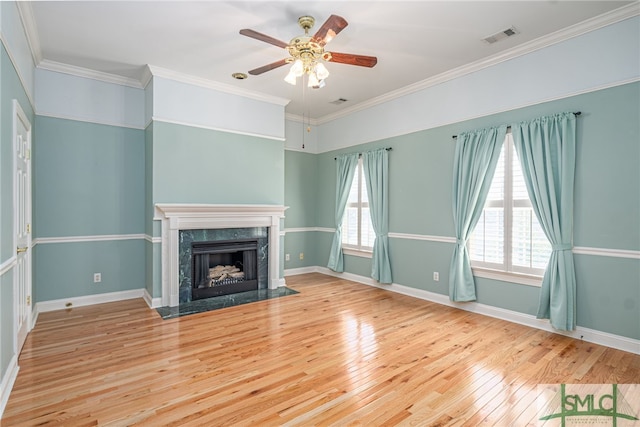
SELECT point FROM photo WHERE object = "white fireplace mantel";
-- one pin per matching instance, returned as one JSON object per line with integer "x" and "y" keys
{"x": 176, "y": 217}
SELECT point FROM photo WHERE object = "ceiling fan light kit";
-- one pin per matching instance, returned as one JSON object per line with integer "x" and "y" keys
{"x": 307, "y": 52}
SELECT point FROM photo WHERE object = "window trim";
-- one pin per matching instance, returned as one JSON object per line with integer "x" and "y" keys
{"x": 363, "y": 253}
{"x": 507, "y": 276}
{"x": 507, "y": 271}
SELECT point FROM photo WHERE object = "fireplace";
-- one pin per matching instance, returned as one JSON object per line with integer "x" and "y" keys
{"x": 180, "y": 220}
{"x": 223, "y": 267}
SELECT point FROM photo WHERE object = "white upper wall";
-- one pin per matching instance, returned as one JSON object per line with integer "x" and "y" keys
{"x": 15, "y": 41}
{"x": 86, "y": 99}
{"x": 300, "y": 136}
{"x": 180, "y": 102}
{"x": 80, "y": 98}
{"x": 602, "y": 58}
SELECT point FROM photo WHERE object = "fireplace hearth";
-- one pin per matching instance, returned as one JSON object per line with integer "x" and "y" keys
{"x": 223, "y": 267}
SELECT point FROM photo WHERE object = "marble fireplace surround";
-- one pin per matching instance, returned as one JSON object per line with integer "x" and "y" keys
{"x": 176, "y": 217}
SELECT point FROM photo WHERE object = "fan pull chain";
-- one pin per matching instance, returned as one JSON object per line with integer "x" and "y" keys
{"x": 308, "y": 115}
{"x": 303, "y": 104}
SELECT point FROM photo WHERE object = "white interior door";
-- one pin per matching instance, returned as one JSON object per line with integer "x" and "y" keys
{"x": 22, "y": 199}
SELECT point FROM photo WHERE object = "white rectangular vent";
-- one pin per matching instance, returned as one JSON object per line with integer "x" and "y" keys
{"x": 338, "y": 101}
{"x": 501, "y": 35}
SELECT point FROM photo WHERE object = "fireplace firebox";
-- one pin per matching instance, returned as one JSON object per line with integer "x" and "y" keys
{"x": 223, "y": 267}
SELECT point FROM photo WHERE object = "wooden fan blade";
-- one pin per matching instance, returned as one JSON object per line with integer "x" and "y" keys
{"x": 268, "y": 67}
{"x": 263, "y": 37}
{"x": 351, "y": 59}
{"x": 333, "y": 25}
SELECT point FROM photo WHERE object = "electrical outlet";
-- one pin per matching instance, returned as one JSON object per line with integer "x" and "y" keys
{"x": 301, "y": 255}
{"x": 436, "y": 276}
{"x": 287, "y": 257}
{"x": 97, "y": 277}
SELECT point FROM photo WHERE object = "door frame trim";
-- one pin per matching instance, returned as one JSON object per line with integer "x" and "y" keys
{"x": 19, "y": 114}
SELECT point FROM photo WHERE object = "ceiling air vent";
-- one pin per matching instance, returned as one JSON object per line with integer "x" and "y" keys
{"x": 338, "y": 101}
{"x": 501, "y": 35}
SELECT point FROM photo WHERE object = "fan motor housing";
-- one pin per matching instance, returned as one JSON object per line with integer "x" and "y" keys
{"x": 305, "y": 48}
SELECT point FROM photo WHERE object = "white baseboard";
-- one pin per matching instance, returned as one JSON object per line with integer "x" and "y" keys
{"x": 61, "y": 304}
{"x": 301, "y": 270}
{"x": 34, "y": 317}
{"x": 591, "y": 335}
{"x": 151, "y": 302}
{"x": 6, "y": 385}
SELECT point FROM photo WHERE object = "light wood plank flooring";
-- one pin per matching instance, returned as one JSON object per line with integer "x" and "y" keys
{"x": 337, "y": 353}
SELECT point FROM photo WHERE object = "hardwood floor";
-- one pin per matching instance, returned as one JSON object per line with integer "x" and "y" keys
{"x": 337, "y": 353}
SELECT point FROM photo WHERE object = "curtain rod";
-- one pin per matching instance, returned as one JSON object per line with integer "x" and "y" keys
{"x": 577, "y": 113}
{"x": 360, "y": 154}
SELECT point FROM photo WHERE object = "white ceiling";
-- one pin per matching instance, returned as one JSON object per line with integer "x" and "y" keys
{"x": 413, "y": 40}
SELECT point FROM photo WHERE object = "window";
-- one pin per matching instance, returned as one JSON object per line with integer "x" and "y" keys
{"x": 357, "y": 230}
{"x": 508, "y": 236}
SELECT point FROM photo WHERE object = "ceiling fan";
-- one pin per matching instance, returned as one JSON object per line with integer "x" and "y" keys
{"x": 306, "y": 51}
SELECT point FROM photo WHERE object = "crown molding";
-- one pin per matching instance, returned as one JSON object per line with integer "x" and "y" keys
{"x": 31, "y": 30}
{"x": 146, "y": 77}
{"x": 299, "y": 119}
{"x": 73, "y": 70}
{"x": 33, "y": 39}
{"x": 210, "y": 84}
{"x": 575, "y": 30}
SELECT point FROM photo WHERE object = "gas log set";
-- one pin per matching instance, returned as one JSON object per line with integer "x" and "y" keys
{"x": 224, "y": 275}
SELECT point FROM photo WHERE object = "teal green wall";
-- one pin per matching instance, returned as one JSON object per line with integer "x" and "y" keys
{"x": 89, "y": 181}
{"x": 65, "y": 270}
{"x": 304, "y": 242}
{"x": 607, "y": 208}
{"x": 195, "y": 165}
{"x": 608, "y": 294}
{"x": 431, "y": 256}
{"x": 148, "y": 180}
{"x": 300, "y": 183}
{"x": 608, "y": 169}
